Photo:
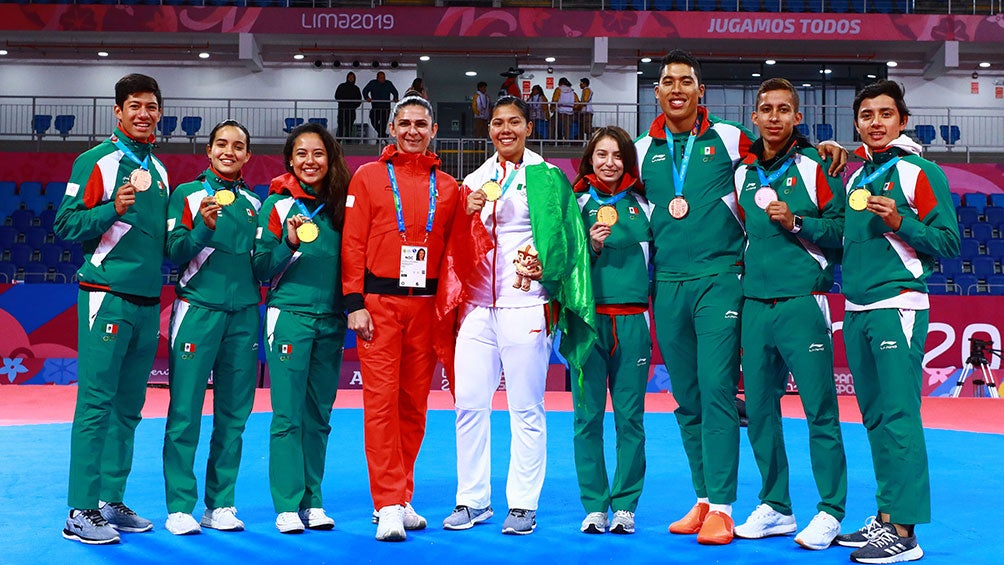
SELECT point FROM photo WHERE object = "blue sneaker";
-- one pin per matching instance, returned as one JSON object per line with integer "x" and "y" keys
{"x": 90, "y": 527}
{"x": 520, "y": 522}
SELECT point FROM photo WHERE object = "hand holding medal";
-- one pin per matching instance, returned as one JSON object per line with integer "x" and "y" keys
{"x": 125, "y": 197}
{"x": 209, "y": 210}
{"x": 476, "y": 201}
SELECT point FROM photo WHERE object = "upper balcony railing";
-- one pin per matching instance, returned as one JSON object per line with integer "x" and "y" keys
{"x": 975, "y": 7}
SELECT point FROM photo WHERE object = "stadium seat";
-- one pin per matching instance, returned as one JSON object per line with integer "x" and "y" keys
{"x": 982, "y": 232}
{"x": 51, "y": 254}
{"x": 957, "y": 199}
{"x": 22, "y": 219}
{"x": 966, "y": 283}
{"x": 64, "y": 123}
{"x": 20, "y": 254}
{"x": 803, "y": 129}
{"x": 950, "y": 134}
{"x": 823, "y": 132}
{"x": 292, "y": 123}
{"x": 7, "y": 272}
{"x": 993, "y": 215}
{"x": 167, "y": 125}
{"x": 323, "y": 122}
{"x": 967, "y": 215}
{"x": 37, "y": 203}
{"x": 30, "y": 188}
{"x": 46, "y": 219}
{"x": 54, "y": 192}
{"x": 68, "y": 271}
{"x": 995, "y": 249}
{"x": 951, "y": 266}
{"x": 8, "y": 236}
{"x": 7, "y": 189}
{"x": 938, "y": 283}
{"x": 35, "y": 272}
{"x": 976, "y": 200}
{"x": 40, "y": 124}
{"x": 35, "y": 236}
{"x": 983, "y": 266}
{"x": 970, "y": 248}
{"x": 996, "y": 199}
{"x": 705, "y": 5}
{"x": 191, "y": 125}
{"x": 926, "y": 133}
{"x": 995, "y": 284}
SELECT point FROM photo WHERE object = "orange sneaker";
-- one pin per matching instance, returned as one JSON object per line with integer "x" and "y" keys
{"x": 717, "y": 529}
{"x": 692, "y": 522}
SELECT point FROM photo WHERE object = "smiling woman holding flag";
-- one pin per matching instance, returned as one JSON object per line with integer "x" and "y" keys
{"x": 298, "y": 250}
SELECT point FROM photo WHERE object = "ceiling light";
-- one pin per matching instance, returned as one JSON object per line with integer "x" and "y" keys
{"x": 891, "y": 64}
{"x": 298, "y": 56}
{"x": 871, "y": 76}
{"x": 3, "y": 52}
{"x": 639, "y": 72}
{"x": 646, "y": 59}
{"x": 984, "y": 65}
{"x": 770, "y": 62}
{"x": 424, "y": 58}
{"x": 549, "y": 59}
{"x": 806, "y": 84}
{"x": 471, "y": 73}
{"x": 756, "y": 75}
{"x": 203, "y": 55}
{"x": 102, "y": 53}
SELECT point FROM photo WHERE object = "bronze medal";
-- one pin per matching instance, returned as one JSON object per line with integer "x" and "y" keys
{"x": 606, "y": 215}
{"x": 492, "y": 190}
{"x": 858, "y": 199}
{"x": 224, "y": 197}
{"x": 307, "y": 232}
{"x": 678, "y": 207}
{"x": 764, "y": 196}
{"x": 140, "y": 179}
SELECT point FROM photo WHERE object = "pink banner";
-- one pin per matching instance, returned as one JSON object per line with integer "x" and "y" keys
{"x": 511, "y": 22}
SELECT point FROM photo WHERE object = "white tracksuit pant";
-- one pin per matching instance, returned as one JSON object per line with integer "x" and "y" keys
{"x": 490, "y": 341}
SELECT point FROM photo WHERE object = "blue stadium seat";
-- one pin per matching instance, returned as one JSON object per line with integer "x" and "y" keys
{"x": 8, "y": 236}
{"x": 40, "y": 124}
{"x": 950, "y": 134}
{"x": 976, "y": 200}
{"x": 983, "y": 266}
{"x": 705, "y": 5}
{"x": 167, "y": 125}
{"x": 993, "y": 215}
{"x": 7, "y": 189}
{"x": 996, "y": 199}
{"x": 36, "y": 203}
{"x": 938, "y": 283}
{"x": 68, "y": 271}
{"x": 926, "y": 133}
{"x": 970, "y": 248}
{"x": 957, "y": 199}
{"x": 22, "y": 219}
{"x": 30, "y": 188}
{"x": 47, "y": 219}
{"x": 64, "y": 123}
{"x": 292, "y": 123}
{"x": 803, "y": 129}
{"x": 54, "y": 192}
{"x": 966, "y": 283}
{"x": 51, "y": 254}
{"x": 20, "y": 254}
{"x": 995, "y": 284}
{"x": 191, "y": 125}
{"x": 995, "y": 249}
{"x": 7, "y": 272}
{"x": 982, "y": 232}
{"x": 967, "y": 215}
{"x": 35, "y": 272}
{"x": 35, "y": 236}
{"x": 323, "y": 122}
{"x": 823, "y": 131}
{"x": 951, "y": 266}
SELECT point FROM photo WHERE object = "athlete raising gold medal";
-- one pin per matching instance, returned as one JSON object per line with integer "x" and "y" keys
{"x": 492, "y": 190}
{"x": 307, "y": 232}
{"x": 224, "y": 197}
{"x": 606, "y": 215}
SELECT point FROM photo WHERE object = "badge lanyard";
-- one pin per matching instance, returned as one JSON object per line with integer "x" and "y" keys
{"x": 609, "y": 201}
{"x": 397, "y": 201}
{"x": 878, "y": 172}
{"x": 144, "y": 164}
{"x": 766, "y": 180}
{"x": 680, "y": 175}
{"x": 512, "y": 177}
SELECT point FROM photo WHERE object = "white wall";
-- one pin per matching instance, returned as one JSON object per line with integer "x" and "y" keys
{"x": 953, "y": 89}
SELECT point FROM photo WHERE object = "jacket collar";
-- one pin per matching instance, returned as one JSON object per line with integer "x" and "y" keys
{"x": 627, "y": 181}
{"x": 658, "y": 127}
{"x": 425, "y": 160}
{"x": 901, "y": 146}
{"x": 288, "y": 184}
{"x": 794, "y": 143}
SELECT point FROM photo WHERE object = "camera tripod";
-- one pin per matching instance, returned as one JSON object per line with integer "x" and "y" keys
{"x": 982, "y": 387}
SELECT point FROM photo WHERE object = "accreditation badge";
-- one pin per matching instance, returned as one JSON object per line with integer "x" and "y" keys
{"x": 858, "y": 199}
{"x": 307, "y": 232}
{"x": 678, "y": 207}
{"x": 140, "y": 179}
{"x": 764, "y": 196}
{"x": 606, "y": 215}
{"x": 414, "y": 266}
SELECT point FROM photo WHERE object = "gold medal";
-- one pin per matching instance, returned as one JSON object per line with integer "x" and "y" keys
{"x": 678, "y": 207}
{"x": 606, "y": 215}
{"x": 307, "y": 232}
{"x": 224, "y": 197}
{"x": 140, "y": 179}
{"x": 858, "y": 199}
{"x": 492, "y": 190}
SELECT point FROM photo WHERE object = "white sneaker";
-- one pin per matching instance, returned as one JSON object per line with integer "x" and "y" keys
{"x": 224, "y": 519}
{"x": 820, "y": 532}
{"x": 765, "y": 521}
{"x": 182, "y": 524}
{"x": 289, "y": 523}
{"x": 413, "y": 520}
{"x": 316, "y": 519}
{"x": 594, "y": 523}
{"x": 623, "y": 522}
{"x": 391, "y": 523}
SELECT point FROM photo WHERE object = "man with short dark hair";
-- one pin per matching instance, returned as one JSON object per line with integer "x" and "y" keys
{"x": 380, "y": 92}
{"x": 349, "y": 99}
{"x": 116, "y": 206}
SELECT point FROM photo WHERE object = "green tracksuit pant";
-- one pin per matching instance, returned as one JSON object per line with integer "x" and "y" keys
{"x": 793, "y": 335}
{"x": 304, "y": 357}
{"x": 117, "y": 341}
{"x": 620, "y": 360}
{"x": 885, "y": 348}
{"x": 224, "y": 343}
{"x": 697, "y": 327}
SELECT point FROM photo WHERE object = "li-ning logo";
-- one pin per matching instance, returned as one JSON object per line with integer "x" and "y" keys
{"x": 731, "y": 315}
{"x": 750, "y": 186}
{"x": 887, "y": 345}
{"x": 658, "y": 158}
{"x": 814, "y": 347}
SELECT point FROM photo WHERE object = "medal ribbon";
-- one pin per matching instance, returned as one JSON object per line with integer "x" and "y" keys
{"x": 512, "y": 177}
{"x": 397, "y": 200}
{"x": 210, "y": 191}
{"x": 144, "y": 164}
{"x": 766, "y": 180}
{"x": 611, "y": 201}
{"x": 680, "y": 175}
{"x": 307, "y": 213}
{"x": 878, "y": 172}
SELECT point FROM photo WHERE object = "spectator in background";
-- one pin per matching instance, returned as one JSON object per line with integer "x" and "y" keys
{"x": 585, "y": 109}
{"x": 481, "y": 105}
{"x": 417, "y": 88}
{"x": 564, "y": 100}
{"x": 349, "y": 99}
{"x": 380, "y": 92}
{"x": 510, "y": 86}
{"x": 540, "y": 111}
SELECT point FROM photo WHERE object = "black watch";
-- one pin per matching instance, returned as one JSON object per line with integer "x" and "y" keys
{"x": 797, "y": 227}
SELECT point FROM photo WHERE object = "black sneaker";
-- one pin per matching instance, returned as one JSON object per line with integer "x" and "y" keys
{"x": 887, "y": 547}
{"x": 859, "y": 538}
